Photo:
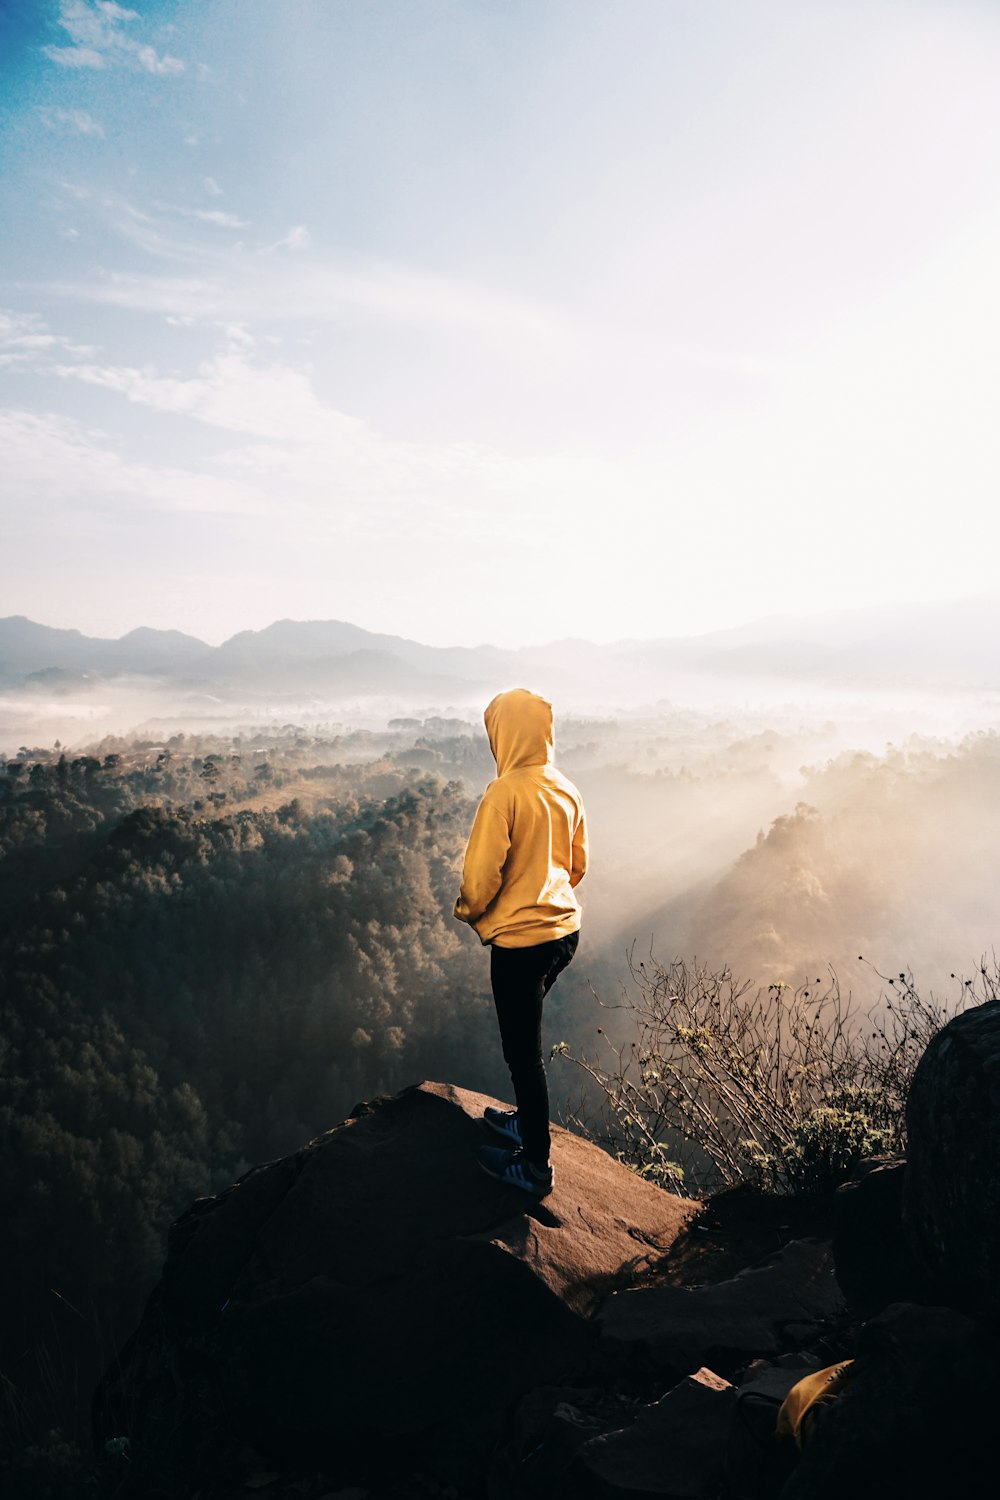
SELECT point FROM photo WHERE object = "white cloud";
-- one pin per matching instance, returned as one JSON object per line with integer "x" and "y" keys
{"x": 235, "y": 284}
{"x": 98, "y": 31}
{"x": 149, "y": 233}
{"x": 329, "y": 466}
{"x": 297, "y": 238}
{"x": 217, "y": 216}
{"x": 238, "y": 336}
{"x": 25, "y": 338}
{"x": 816, "y": 498}
{"x": 53, "y": 459}
{"x": 211, "y": 187}
{"x": 149, "y": 59}
{"x": 76, "y": 120}
{"x": 268, "y": 401}
{"x": 74, "y": 57}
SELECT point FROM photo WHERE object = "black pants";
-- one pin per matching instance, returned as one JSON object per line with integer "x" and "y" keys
{"x": 521, "y": 978}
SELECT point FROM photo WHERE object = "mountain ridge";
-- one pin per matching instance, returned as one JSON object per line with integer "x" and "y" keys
{"x": 947, "y": 644}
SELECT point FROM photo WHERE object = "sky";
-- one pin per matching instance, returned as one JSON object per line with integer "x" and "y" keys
{"x": 496, "y": 320}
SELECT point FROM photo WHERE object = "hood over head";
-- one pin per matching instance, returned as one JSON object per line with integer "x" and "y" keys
{"x": 519, "y": 724}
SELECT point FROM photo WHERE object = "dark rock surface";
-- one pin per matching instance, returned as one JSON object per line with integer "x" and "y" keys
{"x": 549, "y": 1428}
{"x": 377, "y": 1288}
{"x": 675, "y": 1449}
{"x": 951, "y": 1200}
{"x": 756, "y": 1464}
{"x": 736, "y": 1228}
{"x": 916, "y": 1419}
{"x": 872, "y": 1258}
{"x": 373, "y": 1312}
{"x": 374, "y": 1318}
{"x": 766, "y": 1310}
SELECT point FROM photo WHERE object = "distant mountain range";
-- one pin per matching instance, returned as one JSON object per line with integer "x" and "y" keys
{"x": 954, "y": 645}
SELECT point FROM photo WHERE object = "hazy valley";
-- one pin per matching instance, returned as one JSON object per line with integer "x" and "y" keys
{"x": 227, "y": 891}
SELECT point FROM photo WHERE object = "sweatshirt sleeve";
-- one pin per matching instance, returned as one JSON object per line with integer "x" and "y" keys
{"x": 485, "y": 854}
{"x": 580, "y": 851}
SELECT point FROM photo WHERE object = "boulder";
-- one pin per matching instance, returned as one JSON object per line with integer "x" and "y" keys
{"x": 781, "y": 1304}
{"x": 951, "y": 1198}
{"x": 738, "y": 1227}
{"x": 377, "y": 1285}
{"x": 549, "y": 1427}
{"x": 916, "y": 1418}
{"x": 675, "y": 1449}
{"x": 872, "y": 1258}
{"x": 756, "y": 1463}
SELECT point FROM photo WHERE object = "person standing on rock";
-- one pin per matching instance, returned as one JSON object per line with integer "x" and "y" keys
{"x": 526, "y": 854}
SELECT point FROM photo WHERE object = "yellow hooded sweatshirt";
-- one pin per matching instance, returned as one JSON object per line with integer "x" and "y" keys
{"x": 528, "y": 845}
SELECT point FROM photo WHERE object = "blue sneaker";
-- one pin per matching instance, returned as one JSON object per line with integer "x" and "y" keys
{"x": 513, "y": 1169}
{"x": 504, "y": 1123}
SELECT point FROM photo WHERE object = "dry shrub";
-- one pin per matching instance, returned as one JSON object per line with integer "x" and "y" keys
{"x": 788, "y": 1089}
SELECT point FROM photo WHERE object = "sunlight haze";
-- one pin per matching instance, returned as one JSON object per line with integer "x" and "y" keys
{"x": 474, "y": 322}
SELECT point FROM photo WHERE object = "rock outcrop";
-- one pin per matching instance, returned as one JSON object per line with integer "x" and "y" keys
{"x": 373, "y": 1311}
{"x": 917, "y": 1247}
{"x": 872, "y": 1257}
{"x": 951, "y": 1199}
{"x": 915, "y": 1420}
{"x": 675, "y": 1449}
{"x": 376, "y": 1287}
{"x": 788, "y": 1301}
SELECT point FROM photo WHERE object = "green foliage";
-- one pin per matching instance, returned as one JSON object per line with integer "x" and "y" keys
{"x": 185, "y": 994}
{"x": 826, "y": 1145}
{"x": 655, "y": 1166}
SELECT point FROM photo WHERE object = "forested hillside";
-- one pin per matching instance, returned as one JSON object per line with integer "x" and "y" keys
{"x": 190, "y": 990}
{"x": 878, "y": 855}
{"x": 212, "y": 947}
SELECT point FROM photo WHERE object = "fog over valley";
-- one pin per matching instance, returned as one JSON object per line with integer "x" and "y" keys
{"x": 227, "y": 877}
{"x": 781, "y": 798}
